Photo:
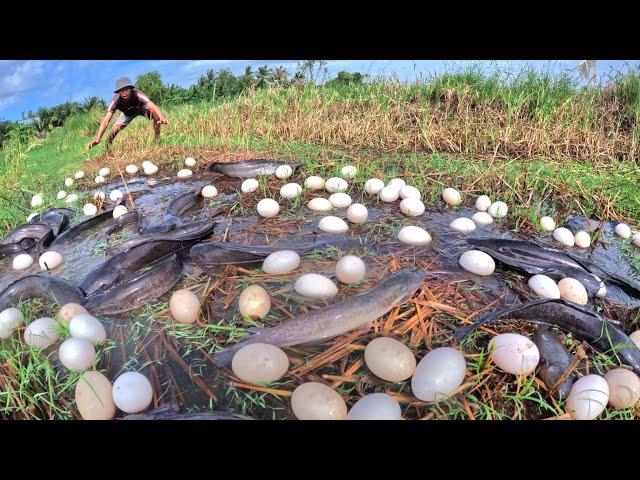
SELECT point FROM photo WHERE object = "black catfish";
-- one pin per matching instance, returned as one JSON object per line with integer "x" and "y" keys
{"x": 141, "y": 289}
{"x": 223, "y": 253}
{"x": 172, "y": 412}
{"x": 115, "y": 269}
{"x": 34, "y": 231}
{"x": 336, "y": 319}
{"x": 535, "y": 260}
{"x": 584, "y": 324}
{"x": 22, "y": 246}
{"x": 40, "y": 286}
{"x": 77, "y": 229}
{"x": 249, "y": 168}
{"x": 131, "y": 218}
{"x": 195, "y": 230}
{"x": 555, "y": 360}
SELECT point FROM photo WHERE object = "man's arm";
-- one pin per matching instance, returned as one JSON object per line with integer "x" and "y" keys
{"x": 103, "y": 126}
{"x": 155, "y": 111}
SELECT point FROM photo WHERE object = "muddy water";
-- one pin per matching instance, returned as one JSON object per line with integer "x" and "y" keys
{"x": 295, "y": 226}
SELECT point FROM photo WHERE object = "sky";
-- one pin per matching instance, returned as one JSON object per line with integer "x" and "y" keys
{"x": 30, "y": 84}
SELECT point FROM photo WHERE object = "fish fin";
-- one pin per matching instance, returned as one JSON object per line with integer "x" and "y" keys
{"x": 254, "y": 330}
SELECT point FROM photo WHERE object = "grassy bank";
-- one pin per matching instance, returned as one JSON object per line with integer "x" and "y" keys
{"x": 536, "y": 141}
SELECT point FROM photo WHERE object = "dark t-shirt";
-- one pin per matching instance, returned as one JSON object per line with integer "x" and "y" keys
{"x": 130, "y": 107}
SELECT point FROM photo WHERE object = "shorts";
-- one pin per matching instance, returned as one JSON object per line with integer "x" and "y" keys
{"x": 124, "y": 119}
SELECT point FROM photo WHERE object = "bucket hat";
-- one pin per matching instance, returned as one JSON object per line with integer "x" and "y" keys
{"x": 123, "y": 82}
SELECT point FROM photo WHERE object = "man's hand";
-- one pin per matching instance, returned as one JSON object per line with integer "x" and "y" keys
{"x": 93, "y": 143}
{"x": 162, "y": 121}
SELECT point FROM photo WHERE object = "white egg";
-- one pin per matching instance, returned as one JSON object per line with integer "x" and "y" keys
{"x": 185, "y": 173}
{"x": 412, "y": 235}
{"x": 94, "y": 397}
{"x": 268, "y": 208}
{"x": 588, "y": 397}
{"x": 61, "y": 194}
{"x": 131, "y": 169}
{"x": 602, "y": 292}
{"x": 36, "y": 200}
{"x": 22, "y": 261}
{"x": 373, "y": 186}
{"x": 70, "y": 310}
{"x": 284, "y": 171}
{"x": 410, "y": 192}
{"x": 462, "y": 225}
{"x": 482, "y": 218}
{"x": 119, "y": 211}
{"x": 498, "y": 209}
{"x": 572, "y": 290}
{"x": 71, "y": 198}
{"x": 249, "y": 185}
{"x": 254, "y": 301}
{"x": 185, "y": 306}
{"x": 412, "y": 207}
{"x": 146, "y": 164}
{"x": 31, "y": 215}
{"x": 89, "y": 209}
{"x": 319, "y": 204}
{"x": 477, "y": 262}
{"x": 315, "y": 401}
{"x": 340, "y": 200}
{"x": 350, "y": 269}
{"x": 357, "y": 213}
{"x": 41, "y": 333}
{"x": 544, "y": 286}
{"x": 115, "y": 195}
{"x": 389, "y": 359}
{"x": 76, "y": 354}
{"x": 377, "y": 406}
{"x": 50, "y": 260}
{"x": 314, "y": 285}
{"x": 209, "y": 191}
{"x": 190, "y": 162}
{"x": 79, "y": 174}
{"x": 331, "y": 224}
{"x": 438, "y": 374}
{"x": 635, "y": 338}
{"x": 451, "y": 196}
{"x": 281, "y": 262}
{"x": 150, "y": 169}
{"x": 290, "y": 191}
{"x": 104, "y": 171}
{"x": 68, "y": 182}
{"x": 99, "y": 195}
{"x": 99, "y": 179}
{"x": 564, "y": 236}
{"x": 624, "y": 388}
{"x": 483, "y": 202}
{"x": 390, "y": 193}
{"x": 336, "y": 184}
{"x": 260, "y": 363}
{"x": 548, "y": 224}
{"x": 622, "y": 229}
{"x": 582, "y": 239}
{"x": 87, "y": 327}
{"x": 314, "y": 183}
{"x": 636, "y": 239}
{"x": 349, "y": 172}
{"x": 396, "y": 183}
{"x": 132, "y": 392}
{"x": 514, "y": 353}
{"x": 10, "y": 320}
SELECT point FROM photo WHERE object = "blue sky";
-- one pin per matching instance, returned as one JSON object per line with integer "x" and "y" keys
{"x": 31, "y": 84}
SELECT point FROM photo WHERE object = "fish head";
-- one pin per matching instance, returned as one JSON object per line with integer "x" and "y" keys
{"x": 402, "y": 284}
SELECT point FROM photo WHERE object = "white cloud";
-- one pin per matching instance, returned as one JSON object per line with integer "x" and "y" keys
{"x": 17, "y": 78}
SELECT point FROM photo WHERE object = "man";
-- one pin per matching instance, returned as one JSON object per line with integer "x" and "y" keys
{"x": 131, "y": 102}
